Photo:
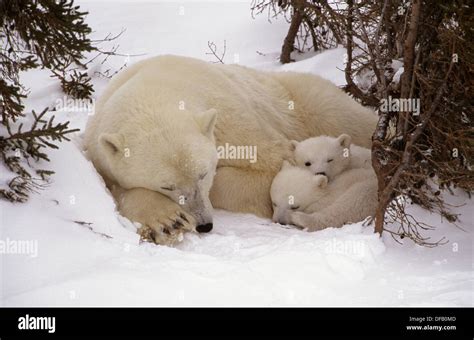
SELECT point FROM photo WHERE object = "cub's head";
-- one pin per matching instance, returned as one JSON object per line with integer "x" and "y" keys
{"x": 176, "y": 157}
{"x": 294, "y": 189}
{"x": 323, "y": 155}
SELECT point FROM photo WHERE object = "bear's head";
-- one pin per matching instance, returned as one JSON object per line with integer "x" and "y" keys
{"x": 177, "y": 158}
{"x": 294, "y": 189}
{"x": 323, "y": 155}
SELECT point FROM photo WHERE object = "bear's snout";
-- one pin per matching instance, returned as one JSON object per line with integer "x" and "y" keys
{"x": 204, "y": 228}
{"x": 281, "y": 218}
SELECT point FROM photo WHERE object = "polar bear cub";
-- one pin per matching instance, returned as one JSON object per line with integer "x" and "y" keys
{"x": 330, "y": 156}
{"x": 310, "y": 201}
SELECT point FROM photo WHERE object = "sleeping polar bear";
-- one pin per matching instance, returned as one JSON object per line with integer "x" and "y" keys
{"x": 309, "y": 201}
{"x": 157, "y": 125}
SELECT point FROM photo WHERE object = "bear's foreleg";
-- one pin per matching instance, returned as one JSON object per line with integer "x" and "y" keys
{"x": 313, "y": 222}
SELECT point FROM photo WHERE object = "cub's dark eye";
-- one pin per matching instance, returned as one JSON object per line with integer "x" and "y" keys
{"x": 330, "y": 160}
{"x": 274, "y": 204}
{"x": 307, "y": 163}
{"x": 170, "y": 188}
{"x": 202, "y": 176}
{"x": 294, "y": 208}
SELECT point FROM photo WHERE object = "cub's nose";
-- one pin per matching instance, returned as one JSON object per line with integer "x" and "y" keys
{"x": 204, "y": 228}
{"x": 321, "y": 173}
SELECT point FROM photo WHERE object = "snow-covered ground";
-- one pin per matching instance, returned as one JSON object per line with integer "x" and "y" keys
{"x": 245, "y": 260}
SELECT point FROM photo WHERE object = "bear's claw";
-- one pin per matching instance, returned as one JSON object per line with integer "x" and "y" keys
{"x": 183, "y": 217}
{"x": 168, "y": 233}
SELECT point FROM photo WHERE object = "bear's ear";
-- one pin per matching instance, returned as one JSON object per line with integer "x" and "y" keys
{"x": 320, "y": 181}
{"x": 111, "y": 143}
{"x": 207, "y": 122}
{"x": 294, "y": 144}
{"x": 344, "y": 140}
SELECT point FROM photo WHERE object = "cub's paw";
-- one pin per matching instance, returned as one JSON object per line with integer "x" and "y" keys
{"x": 303, "y": 220}
{"x": 298, "y": 219}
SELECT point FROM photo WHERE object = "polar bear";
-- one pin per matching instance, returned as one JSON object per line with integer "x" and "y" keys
{"x": 329, "y": 156}
{"x": 309, "y": 201}
{"x": 158, "y": 125}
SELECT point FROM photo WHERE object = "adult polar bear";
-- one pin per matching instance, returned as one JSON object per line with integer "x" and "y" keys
{"x": 154, "y": 134}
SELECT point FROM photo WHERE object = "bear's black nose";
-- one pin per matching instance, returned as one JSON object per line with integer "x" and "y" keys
{"x": 204, "y": 228}
{"x": 321, "y": 173}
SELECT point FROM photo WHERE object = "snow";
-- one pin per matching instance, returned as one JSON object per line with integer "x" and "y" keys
{"x": 398, "y": 73}
{"x": 245, "y": 260}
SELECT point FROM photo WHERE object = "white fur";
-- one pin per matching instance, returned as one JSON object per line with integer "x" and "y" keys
{"x": 309, "y": 201}
{"x": 168, "y": 113}
{"x": 330, "y": 156}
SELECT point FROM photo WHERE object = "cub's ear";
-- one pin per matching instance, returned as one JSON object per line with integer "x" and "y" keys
{"x": 294, "y": 144}
{"x": 344, "y": 140}
{"x": 207, "y": 121}
{"x": 320, "y": 181}
{"x": 111, "y": 143}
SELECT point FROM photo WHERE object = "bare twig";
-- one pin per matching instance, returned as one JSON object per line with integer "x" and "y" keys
{"x": 213, "y": 51}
